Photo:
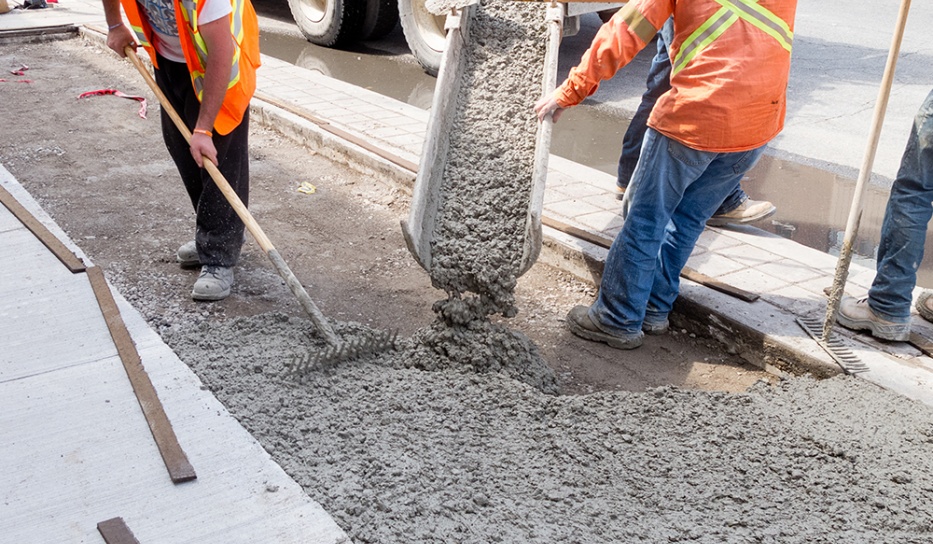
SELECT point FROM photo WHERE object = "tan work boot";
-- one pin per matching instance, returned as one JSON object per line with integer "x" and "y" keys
{"x": 747, "y": 212}
{"x": 925, "y": 305}
{"x": 855, "y": 314}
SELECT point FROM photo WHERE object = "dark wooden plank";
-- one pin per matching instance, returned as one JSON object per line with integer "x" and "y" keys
{"x": 688, "y": 273}
{"x": 65, "y": 255}
{"x": 716, "y": 285}
{"x": 922, "y": 342}
{"x": 174, "y": 457}
{"x": 115, "y": 531}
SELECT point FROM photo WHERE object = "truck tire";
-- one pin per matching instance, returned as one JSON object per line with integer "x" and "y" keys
{"x": 330, "y": 23}
{"x": 424, "y": 33}
{"x": 379, "y": 18}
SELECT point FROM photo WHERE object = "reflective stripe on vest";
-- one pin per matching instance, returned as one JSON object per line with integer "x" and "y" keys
{"x": 189, "y": 12}
{"x": 722, "y": 20}
{"x": 141, "y": 36}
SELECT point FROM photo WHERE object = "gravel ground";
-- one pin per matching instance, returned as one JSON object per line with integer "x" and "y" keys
{"x": 401, "y": 455}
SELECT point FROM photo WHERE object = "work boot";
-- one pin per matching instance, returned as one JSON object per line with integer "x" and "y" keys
{"x": 655, "y": 328}
{"x": 187, "y": 255}
{"x": 620, "y": 192}
{"x": 214, "y": 283}
{"x": 855, "y": 314}
{"x": 747, "y": 212}
{"x": 579, "y": 322}
{"x": 925, "y": 305}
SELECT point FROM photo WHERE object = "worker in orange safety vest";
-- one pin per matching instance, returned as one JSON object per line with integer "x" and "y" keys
{"x": 205, "y": 54}
{"x": 730, "y": 66}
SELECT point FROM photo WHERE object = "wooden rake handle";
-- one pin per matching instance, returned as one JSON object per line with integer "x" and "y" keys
{"x": 320, "y": 322}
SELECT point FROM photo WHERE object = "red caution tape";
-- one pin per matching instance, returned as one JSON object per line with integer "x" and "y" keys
{"x": 102, "y": 92}
{"x": 16, "y": 81}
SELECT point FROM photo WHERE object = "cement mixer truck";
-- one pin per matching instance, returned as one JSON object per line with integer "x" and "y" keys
{"x": 339, "y": 23}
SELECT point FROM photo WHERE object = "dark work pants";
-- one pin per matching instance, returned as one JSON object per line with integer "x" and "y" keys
{"x": 219, "y": 231}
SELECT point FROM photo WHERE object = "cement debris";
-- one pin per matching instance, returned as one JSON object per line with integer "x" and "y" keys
{"x": 399, "y": 455}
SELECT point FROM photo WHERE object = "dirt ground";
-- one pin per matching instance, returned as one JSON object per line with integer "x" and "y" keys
{"x": 104, "y": 175}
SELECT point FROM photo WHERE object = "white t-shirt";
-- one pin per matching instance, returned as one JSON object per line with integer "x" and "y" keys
{"x": 161, "y": 16}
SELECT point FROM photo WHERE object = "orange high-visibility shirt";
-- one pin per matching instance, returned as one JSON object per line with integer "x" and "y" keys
{"x": 731, "y": 61}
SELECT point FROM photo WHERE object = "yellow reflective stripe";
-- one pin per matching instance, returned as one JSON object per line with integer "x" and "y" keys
{"x": 236, "y": 23}
{"x": 636, "y": 21}
{"x": 763, "y": 19}
{"x": 190, "y": 14}
{"x": 703, "y": 36}
{"x": 141, "y": 36}
{"x": 719, "y": 22}
{"x": 235, "y": 69}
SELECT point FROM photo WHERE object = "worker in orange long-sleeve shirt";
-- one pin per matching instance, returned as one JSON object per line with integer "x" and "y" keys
{"x": 731, "y": 61}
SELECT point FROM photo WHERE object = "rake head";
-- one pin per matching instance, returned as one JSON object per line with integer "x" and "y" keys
{"x": 330, "y": 356}
{"x": 848, "y": 361}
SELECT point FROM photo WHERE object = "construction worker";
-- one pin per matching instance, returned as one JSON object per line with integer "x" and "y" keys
{"x": 731, "y": 62}
{"x": 205, "y": 54}
{"x": 886, "y": 310}
{"x": 737, "y": 208}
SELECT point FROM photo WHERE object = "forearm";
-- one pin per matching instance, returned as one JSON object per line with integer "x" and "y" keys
{"x": 615, "y": 45}
{"x": 112, "y": 12}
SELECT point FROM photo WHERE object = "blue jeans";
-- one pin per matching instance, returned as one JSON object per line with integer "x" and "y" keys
{"x": 679, "y": 189}
{"x": 658, "y": 83}
{"x": 903, "y": 231}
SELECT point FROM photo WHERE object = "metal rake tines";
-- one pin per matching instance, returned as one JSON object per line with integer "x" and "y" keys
{"x": 848, "y": 361}
{"x": 329, "y": 357}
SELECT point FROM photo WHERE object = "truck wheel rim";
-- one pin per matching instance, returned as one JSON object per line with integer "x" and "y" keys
{"x": 430, "y": 26}
{"x": 314, "y": 10}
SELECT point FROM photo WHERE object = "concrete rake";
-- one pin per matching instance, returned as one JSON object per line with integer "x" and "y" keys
{"x": 336, "y": 350}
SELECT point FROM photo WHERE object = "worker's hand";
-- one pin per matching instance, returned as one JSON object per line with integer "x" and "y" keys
{"x": 548, "y": 105}
{"x": 203, "y": 146}
{"x": 118, "y": 38}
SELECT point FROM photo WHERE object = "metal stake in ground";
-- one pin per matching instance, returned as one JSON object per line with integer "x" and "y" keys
{"x": 337, "y": 350}
{"x": 855, "y": 211}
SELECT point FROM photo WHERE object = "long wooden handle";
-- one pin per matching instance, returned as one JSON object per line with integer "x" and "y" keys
{"x": 855, "y": 211}
{"x": 215, "y": 174}
{"x": 320, "y": 322}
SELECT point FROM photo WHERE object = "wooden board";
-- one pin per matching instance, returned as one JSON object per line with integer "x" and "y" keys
{"x": 180, "y": 470}
{"x": 115, "y": 531}
{"x": 66, "y": 256}
{"x": 687, "y": 272}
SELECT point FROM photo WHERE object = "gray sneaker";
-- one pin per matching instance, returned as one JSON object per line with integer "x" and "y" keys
{"x": 855, "y": 314}
{"x": 187, "y": 255}
{"x": 214, "y": 283}
{"x": 579, "y": 322}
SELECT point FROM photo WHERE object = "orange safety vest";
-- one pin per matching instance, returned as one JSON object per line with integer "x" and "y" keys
{"x": 244, "y": 27}
{"x": 731, "y": 62}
